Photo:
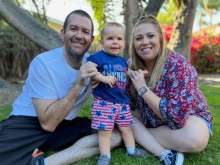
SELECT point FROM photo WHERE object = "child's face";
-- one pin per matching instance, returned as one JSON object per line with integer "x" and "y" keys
{"x": 113, "y": 40}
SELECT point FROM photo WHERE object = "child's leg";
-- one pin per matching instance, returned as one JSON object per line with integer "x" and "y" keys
{"x": 104, "y": 141}
{"x": 127, "y": 136}
{"x": 124, "y": 121}
{"x": 129, "y": 142}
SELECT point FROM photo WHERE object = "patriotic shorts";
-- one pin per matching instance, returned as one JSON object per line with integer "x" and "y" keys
{"x": 105, "y": 115}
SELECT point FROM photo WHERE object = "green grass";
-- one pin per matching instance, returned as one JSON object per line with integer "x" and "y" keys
{"x": 4, "y": 112}
{"x": 211, "y": 155}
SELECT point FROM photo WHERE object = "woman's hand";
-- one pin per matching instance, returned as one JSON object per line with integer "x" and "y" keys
{"x": 138, "y": 78}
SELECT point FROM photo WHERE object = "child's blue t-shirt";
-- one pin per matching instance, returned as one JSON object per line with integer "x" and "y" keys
{"x": 110, "y": 65}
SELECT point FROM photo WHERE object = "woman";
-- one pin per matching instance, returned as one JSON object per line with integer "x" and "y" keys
{"x": 170, "y": 112}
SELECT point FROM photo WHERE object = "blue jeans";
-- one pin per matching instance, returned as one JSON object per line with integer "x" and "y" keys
{"x": 209, "y": 125}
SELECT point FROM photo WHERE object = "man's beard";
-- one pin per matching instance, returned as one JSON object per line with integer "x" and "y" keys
{"x": 74, "y": 56}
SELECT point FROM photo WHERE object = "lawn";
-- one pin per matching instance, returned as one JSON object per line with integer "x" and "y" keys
{"x": 211, "y": 155}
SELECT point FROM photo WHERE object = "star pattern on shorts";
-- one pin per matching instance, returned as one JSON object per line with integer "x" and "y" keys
{"x": 98, "y": 113}
{"x": 103, "y": 103}
{"x": 123, "y": 117}
{"x": 110, "y": 117}
{"x": 124, "y": 108}
{"x": 131, "y": 122}
{"x": 114, "y": 110}
{"x": 101, "y": 126}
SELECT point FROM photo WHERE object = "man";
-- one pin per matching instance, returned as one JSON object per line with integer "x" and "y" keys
{"x": 44, "y": 116}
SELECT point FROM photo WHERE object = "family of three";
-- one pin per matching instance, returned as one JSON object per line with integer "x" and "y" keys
{"x": 155, "y": 103}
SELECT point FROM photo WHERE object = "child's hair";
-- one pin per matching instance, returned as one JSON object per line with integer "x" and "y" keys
{"x": 110, "y": 24}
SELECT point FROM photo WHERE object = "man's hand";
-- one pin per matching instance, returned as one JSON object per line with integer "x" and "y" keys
{"x": 52, "y": 112}
{"x": 94, "y": 83}
{"x": 86, "y": 70}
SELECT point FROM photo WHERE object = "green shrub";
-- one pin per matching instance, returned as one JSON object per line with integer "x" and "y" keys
{"x": 205, "y": 50}
{"x": 205, "y": 53}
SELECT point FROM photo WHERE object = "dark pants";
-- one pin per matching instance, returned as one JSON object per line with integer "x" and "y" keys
{"x": 20, "y": 135}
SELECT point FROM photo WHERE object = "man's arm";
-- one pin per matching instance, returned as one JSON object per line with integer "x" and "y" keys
{"x": 52, "y": 112}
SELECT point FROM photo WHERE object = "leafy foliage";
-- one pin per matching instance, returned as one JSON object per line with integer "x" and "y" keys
{"x": 99, "y": 11}
{"x": 207, "y": 8}
{"x": 16, "y": 52}
{"x": 205, "y": 50}
{"x": 205, "y": 53}
{"x": 167, "y": 13}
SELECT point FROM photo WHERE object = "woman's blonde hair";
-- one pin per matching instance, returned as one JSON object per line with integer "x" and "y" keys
{"x": 138, "y": 63}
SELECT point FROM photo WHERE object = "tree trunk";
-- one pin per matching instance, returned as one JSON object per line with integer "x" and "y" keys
{"x": 182, "y": 35}
{"x": 131, "y": 9}
{"x": 24, "y": 23}
{"x": 152, "y": 7}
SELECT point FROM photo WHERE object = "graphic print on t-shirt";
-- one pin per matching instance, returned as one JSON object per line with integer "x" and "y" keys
{"x": 117, "y": 71}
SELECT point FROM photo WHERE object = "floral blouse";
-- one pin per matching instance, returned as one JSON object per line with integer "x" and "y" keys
{"x": 180, "y": 96}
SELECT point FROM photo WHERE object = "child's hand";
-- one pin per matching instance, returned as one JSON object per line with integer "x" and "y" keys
{"x": 110, "y": 80}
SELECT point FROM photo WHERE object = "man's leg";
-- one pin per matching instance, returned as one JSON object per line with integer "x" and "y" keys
{"x": 67, "y": 133}
{"x": 19, "y": 136}
{"x": 84, "y": 148}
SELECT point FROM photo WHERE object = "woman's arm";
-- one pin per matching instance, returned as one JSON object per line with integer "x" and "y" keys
{"x": 138, "y": 80}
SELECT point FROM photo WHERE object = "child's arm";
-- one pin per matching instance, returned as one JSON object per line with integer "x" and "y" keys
{"x": 110, "y": 80}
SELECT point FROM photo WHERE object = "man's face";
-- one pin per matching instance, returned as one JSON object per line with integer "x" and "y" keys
{"x": 77, "y": 36}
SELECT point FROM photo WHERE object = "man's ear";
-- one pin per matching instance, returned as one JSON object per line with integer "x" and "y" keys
{"x": 62, "y": 34}
{"x": 92, "y": 38}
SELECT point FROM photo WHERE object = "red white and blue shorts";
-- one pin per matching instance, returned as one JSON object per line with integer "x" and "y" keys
{"x": 105, "y": 115}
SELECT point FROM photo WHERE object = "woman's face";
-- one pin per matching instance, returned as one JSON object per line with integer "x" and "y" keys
{"x": 146, "y": 42}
